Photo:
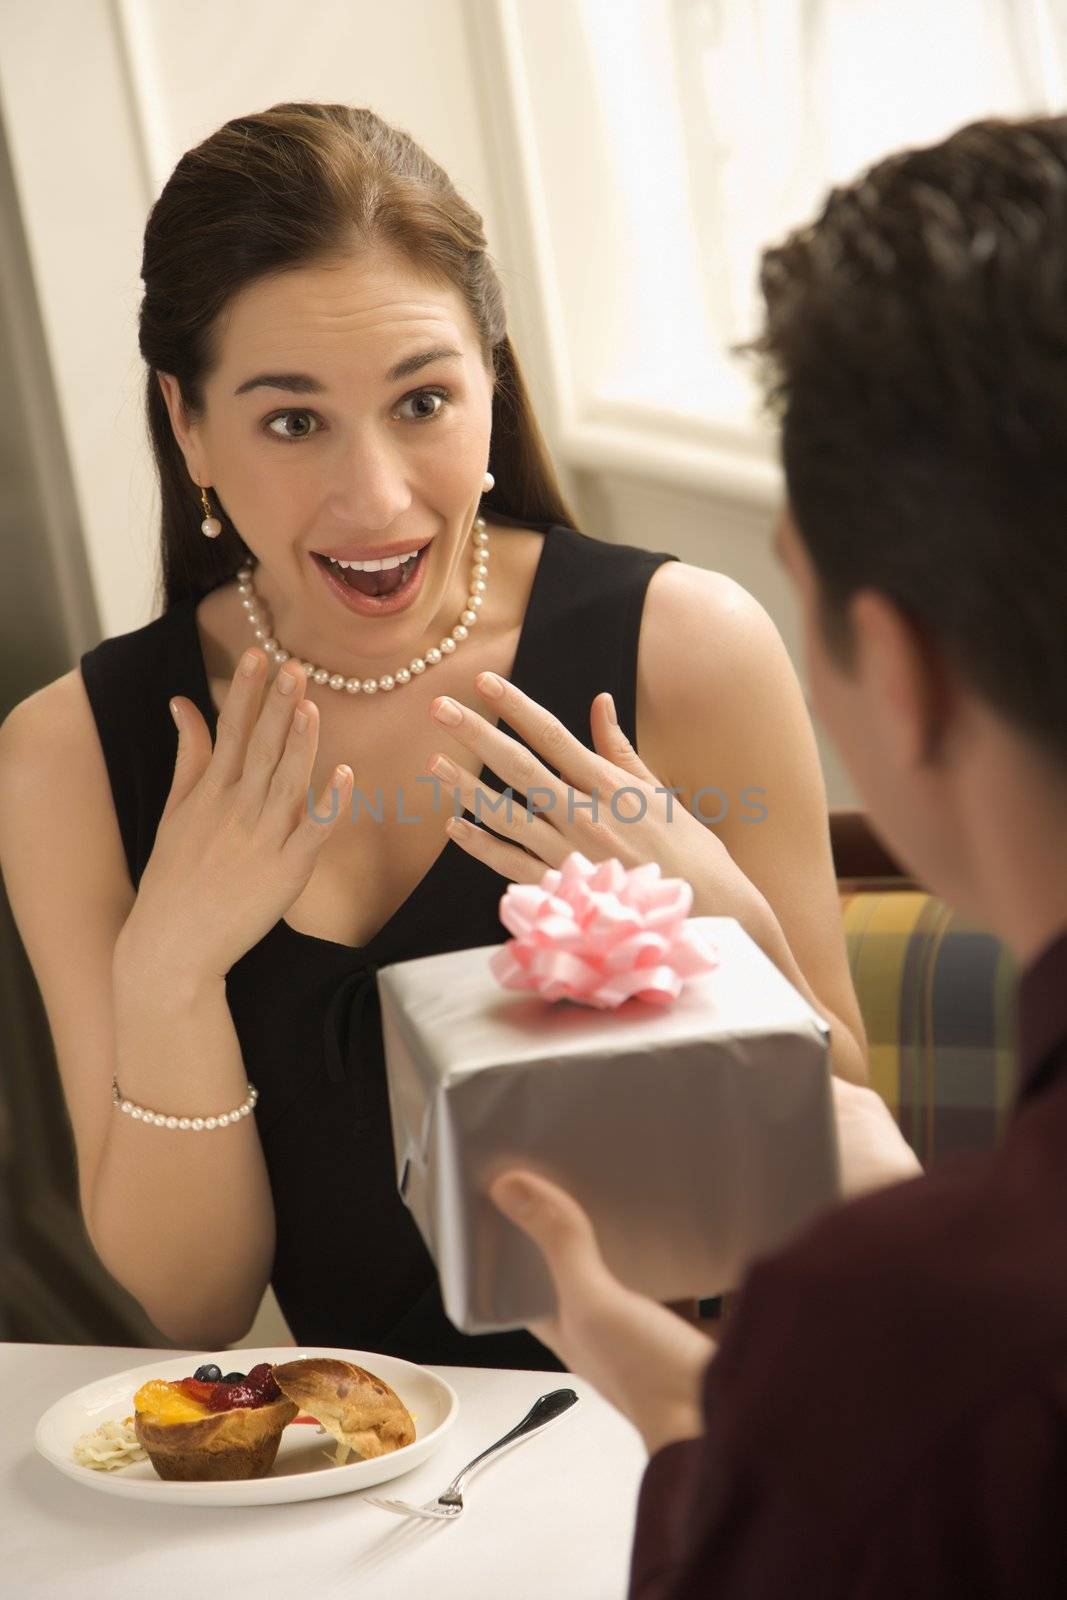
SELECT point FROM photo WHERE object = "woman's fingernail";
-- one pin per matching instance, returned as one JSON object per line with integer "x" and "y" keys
{"x": 490, "y": 684}
{"x": 449, "y": 713}
{"x": 444, "y": 769}
{"x": 249, "y": 663}
{"x": 174, "y": 714}
{"x": 612, "y": 715}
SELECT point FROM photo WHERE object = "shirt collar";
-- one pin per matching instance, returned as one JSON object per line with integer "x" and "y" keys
{"x": 1042, "y": 1010}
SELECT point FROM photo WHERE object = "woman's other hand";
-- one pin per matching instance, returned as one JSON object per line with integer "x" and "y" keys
{"x": 635, "y": 818}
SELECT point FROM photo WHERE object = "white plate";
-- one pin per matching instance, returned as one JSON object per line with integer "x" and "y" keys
{"x": 301, "y": 1470}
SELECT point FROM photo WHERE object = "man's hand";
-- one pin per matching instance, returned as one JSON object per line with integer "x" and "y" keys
{"x": 644, "y": 1359}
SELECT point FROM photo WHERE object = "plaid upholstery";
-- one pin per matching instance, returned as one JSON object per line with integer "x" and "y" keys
{"x": 937, "y": 996}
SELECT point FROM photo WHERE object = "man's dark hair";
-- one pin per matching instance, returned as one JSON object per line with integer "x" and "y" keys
{"x": 915, "y": 353}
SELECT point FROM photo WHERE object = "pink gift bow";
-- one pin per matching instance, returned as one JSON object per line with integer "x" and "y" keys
{"x": 600, "y": 935}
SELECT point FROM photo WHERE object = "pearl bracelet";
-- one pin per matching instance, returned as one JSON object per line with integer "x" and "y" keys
{"x": 196, "y": 1124}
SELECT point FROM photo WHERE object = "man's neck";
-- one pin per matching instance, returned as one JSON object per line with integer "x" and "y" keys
{"x": 1018, "y": 842}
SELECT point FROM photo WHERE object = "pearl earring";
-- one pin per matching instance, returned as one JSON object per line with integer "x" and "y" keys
{"x": 488, "y": 483}
{"x": 211, "y": 526}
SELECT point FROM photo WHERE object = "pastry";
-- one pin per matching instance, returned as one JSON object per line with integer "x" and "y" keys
{"x": 358, "y": 1408}
{"x": 194, "y": 1429}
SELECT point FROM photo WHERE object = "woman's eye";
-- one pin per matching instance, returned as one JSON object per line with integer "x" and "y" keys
{"x": 428, "y": 403}
{"x": 425, "y": 405}
{"x": 284, "y": 416}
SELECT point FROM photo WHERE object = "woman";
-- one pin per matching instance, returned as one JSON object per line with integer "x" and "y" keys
{"x": 329, "y": 380}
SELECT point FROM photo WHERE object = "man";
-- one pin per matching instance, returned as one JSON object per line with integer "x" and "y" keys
{"x": 886, "y": 1413}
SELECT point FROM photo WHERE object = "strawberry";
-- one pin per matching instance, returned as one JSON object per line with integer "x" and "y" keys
{"x": 197, "y": 1389}
{"x": 228, "y": 1396}
{"x": 261, "y": 1380}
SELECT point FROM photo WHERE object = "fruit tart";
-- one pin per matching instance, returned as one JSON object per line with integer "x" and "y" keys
{"x": 211, "y": 1427}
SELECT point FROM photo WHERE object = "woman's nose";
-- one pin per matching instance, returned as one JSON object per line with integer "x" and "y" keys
{"x": 371, "y": 488}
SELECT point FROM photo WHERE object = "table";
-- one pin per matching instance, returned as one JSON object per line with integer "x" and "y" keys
{"x": 551, "y": 1519}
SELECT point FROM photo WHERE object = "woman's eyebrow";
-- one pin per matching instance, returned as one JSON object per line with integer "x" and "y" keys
{"x": 302, "y": 383}
{"x": 404, "y": 369}
{"x": 295, "y": 382}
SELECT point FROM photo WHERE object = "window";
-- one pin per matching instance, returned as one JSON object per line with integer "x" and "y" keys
{"x": 667, "y": 142}
{"x": 781, "y": 99}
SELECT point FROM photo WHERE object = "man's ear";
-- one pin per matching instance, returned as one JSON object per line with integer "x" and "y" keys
{"x": 907, "y": 676}
{"x": 183, "y": 432}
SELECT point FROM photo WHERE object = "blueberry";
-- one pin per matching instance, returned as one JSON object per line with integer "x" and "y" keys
{"x": 234, "y": 1377}
{"x": 208, "y": 1374}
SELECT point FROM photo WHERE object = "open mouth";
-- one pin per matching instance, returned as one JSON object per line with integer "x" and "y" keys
{"x": 375, "y": 585}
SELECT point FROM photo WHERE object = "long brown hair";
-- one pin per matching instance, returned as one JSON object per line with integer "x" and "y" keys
{"x": 298, "y": 184}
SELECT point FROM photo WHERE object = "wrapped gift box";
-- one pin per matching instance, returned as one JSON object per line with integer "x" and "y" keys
{"x": 696, "y": 1135}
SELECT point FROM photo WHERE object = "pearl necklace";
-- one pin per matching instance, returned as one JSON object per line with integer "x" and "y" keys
{"x": 389, "y": 680}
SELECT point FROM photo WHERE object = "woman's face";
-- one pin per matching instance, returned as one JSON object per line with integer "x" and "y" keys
{"x": 350, "y": 410}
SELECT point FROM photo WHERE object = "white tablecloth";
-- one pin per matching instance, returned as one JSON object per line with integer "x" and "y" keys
{"x": 552, "y": 1519}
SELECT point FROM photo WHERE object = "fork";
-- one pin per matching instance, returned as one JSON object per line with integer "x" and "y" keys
{"x": 449, "y": 1503}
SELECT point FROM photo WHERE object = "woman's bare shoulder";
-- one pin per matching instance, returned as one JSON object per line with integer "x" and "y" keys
{"x": 700, "y": 626}
{"x": 706, "y": 641}
{"x": 48, "y": 716}
{"x": 681, "y": 594}
{"x": 52, "y": 768}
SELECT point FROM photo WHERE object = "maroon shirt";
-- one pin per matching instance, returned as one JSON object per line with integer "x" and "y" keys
{"x": 887, "y": 1413}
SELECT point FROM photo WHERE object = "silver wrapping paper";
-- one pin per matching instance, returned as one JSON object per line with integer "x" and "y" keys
{"x": 696, "y": 1136}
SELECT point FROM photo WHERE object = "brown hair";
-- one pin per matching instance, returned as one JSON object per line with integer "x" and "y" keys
{"x": 298, "y": 184}
{"x": 913, "y": 351}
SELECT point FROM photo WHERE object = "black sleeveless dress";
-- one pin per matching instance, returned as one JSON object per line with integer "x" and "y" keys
{"x": 306, "y": 1010}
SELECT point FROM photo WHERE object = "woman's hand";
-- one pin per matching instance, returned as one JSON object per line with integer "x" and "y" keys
{"x": 236, "y": 843}
{"x": 644, "y": 1359}
{"x": 632, "y": 820}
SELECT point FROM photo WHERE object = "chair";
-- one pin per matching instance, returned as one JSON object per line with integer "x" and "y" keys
{"x": 937, "y": 997}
